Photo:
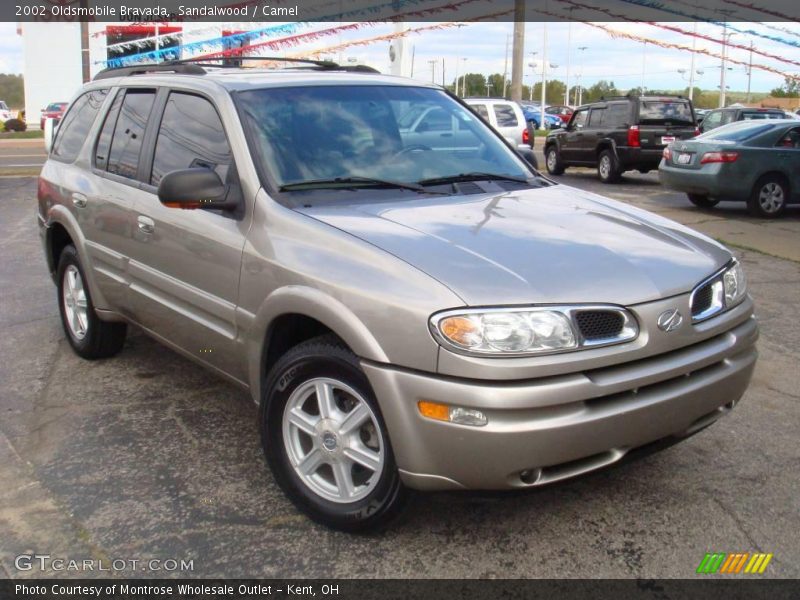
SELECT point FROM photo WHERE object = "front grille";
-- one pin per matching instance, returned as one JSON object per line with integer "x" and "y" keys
{"x": 596, "y": 325}
{"x": 702, "y": 299}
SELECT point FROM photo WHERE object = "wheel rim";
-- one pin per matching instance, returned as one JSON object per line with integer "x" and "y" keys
{"x": 75, "y": 304}
{"x": 333, "y": 440}
{"x": 770, "y": 198}
{"x": 551, "y": 160}
{"x": 605, "y": 167}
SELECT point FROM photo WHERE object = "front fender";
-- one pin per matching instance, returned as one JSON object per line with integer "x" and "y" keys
{"x": 313, "y": 303}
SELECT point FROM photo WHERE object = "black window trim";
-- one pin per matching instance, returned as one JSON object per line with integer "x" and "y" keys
{"x": 93, "y": 130}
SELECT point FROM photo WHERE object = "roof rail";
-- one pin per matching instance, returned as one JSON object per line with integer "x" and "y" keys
{"x": 182, "y": 69}
{"x": 327, "y": 64}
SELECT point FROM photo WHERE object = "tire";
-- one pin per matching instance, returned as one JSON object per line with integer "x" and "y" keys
{"x": 702, "y": 201}
{"x": 291, "y": 434}
{"x": 552, "y": 161}
{"x": 769, "y": 197}
{"x": 607, "y": 167}
{"x": 89, "y": 337}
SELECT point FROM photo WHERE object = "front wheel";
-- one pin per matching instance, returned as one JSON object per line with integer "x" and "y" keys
{"x": 553, "y": 161}
{"x": 702, "y": 201}
{"x": 325, "y": 440}
{"x": 769, "y": 197}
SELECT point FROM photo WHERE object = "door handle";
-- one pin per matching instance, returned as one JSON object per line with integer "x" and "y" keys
{"x": 146, "y": 224}
{"x": 79, "y": 200}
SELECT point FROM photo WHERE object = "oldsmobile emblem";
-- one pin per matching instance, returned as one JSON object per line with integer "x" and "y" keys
{"x": 670, "y": 320}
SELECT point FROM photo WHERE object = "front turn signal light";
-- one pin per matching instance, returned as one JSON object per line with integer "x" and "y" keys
{"x": 452, "y": 414}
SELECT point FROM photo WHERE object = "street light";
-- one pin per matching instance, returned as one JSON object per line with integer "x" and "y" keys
{"x": 488, "y": 85}
{"x": 580, "y": 74}
{"x": 691, "y": 73}
{"x": 532, "y": 65}
{"x": 463, "y": 79}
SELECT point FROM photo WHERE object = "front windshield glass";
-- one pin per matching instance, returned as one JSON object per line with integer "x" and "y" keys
{"x": 391, "y": 133}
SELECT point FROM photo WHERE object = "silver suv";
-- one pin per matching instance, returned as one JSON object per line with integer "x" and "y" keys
{"x": 406, "y": 315}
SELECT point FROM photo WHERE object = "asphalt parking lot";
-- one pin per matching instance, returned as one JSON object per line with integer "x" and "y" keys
{"x": 148, "y": 456}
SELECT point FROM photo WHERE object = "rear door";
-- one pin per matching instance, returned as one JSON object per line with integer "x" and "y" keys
{"x": 789, "y": 158}
{"x": 664, "y": 120}
{"x": 185, "y": 266}
{"x": 573, "y": 137}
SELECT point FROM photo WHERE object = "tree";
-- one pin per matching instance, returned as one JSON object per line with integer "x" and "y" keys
{"x": 601, "y": 89}
{"x": 789, "y": 89}
{"x": 474, "y": 84}
{"x": 554, "y": 92}
{"x": 12, "y": 91}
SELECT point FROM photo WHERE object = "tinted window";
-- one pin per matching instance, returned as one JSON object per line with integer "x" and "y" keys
{"x": 790, "y": 140}
{"x": 751, "y": 116}
{"x": 659, "y": 111}
{"x": 104, "y": 139}
{"x": 596, "y": 117}
{"x": 191, "y": 135}
{"x": 505, "y": 115}
{"x": 616, "y": 115}
{"x": 481, "y": 110}
{"x": 123, "y": 157}
{"x": 726, "y": 116}
{"x": 579, "y": 118}
{"x": 75, "y": 126}
{"x": 713, "y": 119}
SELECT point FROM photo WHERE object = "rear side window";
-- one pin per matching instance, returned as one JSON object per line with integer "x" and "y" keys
{"x": 617, "y": 115}
{"x": 76, "y": 125}
{"x": 481, "y": 110}
{"x": 104, "y": 139}
{"x": 505, "y": 115}
{"x": 755, "y": 115}
{"x": 191, "y": 135}
{"x": 126, "y": 143}
{"x": 661, "y": 111}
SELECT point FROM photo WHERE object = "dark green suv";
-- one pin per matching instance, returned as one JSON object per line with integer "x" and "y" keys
{"x": 620, "y": 134}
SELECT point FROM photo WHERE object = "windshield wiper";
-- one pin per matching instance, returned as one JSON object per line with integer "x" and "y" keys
{"x": 344, "y": 181}
{"x": 472, "y": 176}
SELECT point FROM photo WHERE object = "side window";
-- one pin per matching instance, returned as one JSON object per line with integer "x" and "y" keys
{"x": 191, "y": 135}
{"x": 596, "y": 117}
{"x": 790, "y": 140}
{"x": 76, "y": 124}
{"x": 617, "y": 115}
{"x": 712, "y": 120}
{"x": 123, "y": 156}
{"x": 579, "y": 119}
{"x": 726, "y": 116}
{"x": 481, "y": 110}
{"x": 104, "y": 139}
{"x": 437, "y": 119}
{"x": 505, "y": 115}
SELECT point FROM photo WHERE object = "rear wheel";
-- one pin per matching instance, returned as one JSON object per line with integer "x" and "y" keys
{"x": 702, "y": 201}
{"x": 769, "y": 197}
{"x": 553, "y": 161}
{"x": 325, "y": 439}
{"x": 89, "y": 337}
{"x": 607, "y": 167}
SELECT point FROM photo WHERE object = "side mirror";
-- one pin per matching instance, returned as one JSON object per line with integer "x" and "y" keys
{"x": 49, "y": 133}
{"x": 529, "y": 157}
{"x": 195, "y": 188}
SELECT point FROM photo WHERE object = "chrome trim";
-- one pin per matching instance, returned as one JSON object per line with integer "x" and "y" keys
{"x": 630, "y": 327}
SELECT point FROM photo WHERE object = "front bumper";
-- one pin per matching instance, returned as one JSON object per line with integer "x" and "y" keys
{"x": 552, "y": 428}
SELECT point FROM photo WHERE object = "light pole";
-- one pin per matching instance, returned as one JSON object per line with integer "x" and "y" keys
{"x": 581, "y": 49}
{"x": 725, "y": 39}
{"x": 463, "y": 79}
{"x": 488, "y": 85}
{"x": 749, "y": 72}
{"x": 644, "y": 64}
{"x": 505, "y": 64}
{"x": 432, "y": 63}
{"x": 532, "y": 65}
{"x": 683, "y": 72}
{"x": 544, "y": 73}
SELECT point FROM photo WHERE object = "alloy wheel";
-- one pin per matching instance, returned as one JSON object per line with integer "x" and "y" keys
{"x": 771, "y": 197}
{"x": 333, "y": 440}
{"x": 605, "y": 167}
{"x": 75, "y": 304}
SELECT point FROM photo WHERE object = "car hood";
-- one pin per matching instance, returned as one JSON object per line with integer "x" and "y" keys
{"x": 555, "y": 244}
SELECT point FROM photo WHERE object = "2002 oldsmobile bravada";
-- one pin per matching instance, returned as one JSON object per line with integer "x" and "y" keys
{"x": 411, "y": 309}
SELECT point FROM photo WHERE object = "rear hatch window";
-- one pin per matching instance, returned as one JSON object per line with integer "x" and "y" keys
{"x": 754, "y": 115}
{"x": 663, "y": 112}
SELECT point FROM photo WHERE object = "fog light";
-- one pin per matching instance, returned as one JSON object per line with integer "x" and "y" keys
{"x": 453, "y": 414}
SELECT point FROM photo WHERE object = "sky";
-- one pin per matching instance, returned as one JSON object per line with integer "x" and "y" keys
{"x": 619, "y": 60}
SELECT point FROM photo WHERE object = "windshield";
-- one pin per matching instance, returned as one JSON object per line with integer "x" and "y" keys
{"x": 392, "y": 133}
{"x": 660, "y": 111}
{"x": 736, "y": 132}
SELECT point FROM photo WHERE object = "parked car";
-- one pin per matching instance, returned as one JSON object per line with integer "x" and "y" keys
{"x": 563, "y": 112}
{"x": 54, "y": 110}
{"x": 723, "y": 116}
{"x": 700, "y": 114}
{"x": 533, "y": 114}
{"x": 406, "y": 317}
{"x": 620, "y": 134}
{"x": 757, "y": 162}
{"x": 506, "y": 117}
{"x": 5, "y": 112}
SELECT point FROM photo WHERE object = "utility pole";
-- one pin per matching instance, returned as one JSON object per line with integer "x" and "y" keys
{"x": 569, "y": 46}
{"x": 723, "y": 69}
{"x": 749, "y": 71}
{"x": 691, "y": 71}
{"x": 443, "y": 83}
{"x": 518, "y": 50}
{"x": 644, "y": 65}
{"x": 505, "y": 65}
{"x": 544, "y": 74}
{"x": 432, "y": 63}
{"x": 532, "y": 65}
{"x": 464, "y": 78}
{"x": 580, "y": 74}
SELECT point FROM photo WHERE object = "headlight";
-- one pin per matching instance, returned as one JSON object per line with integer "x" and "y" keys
{"x": 517, "y": 331}
{"x": 735, "y": 285}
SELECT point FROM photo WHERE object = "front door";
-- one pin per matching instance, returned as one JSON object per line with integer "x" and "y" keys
{"x": 573, "y": 139}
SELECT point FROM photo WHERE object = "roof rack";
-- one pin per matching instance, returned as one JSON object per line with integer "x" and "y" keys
{"x": 196, "y": 66}
{"x": 187, "y": 69}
